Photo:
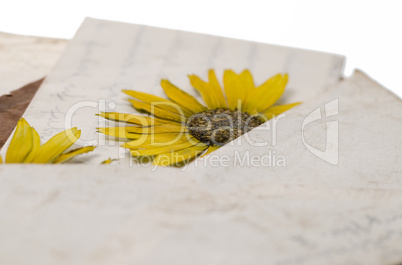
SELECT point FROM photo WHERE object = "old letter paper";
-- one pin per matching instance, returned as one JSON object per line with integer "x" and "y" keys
{"x": 25, "y": 59}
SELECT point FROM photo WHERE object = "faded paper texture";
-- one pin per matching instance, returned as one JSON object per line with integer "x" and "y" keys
{"x": 307, "y": 212}
{"x": 106, "y": 57}
{"x": 25, "y": 59}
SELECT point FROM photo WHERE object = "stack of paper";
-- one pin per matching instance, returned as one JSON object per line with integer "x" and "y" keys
{"x": 323, "y": 187}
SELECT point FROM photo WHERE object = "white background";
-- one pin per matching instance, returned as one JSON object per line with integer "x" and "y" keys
{"x": 368, "y": 33}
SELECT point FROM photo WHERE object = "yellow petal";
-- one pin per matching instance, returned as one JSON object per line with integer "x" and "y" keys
{"x": 69, "y": 155}
{"x": 56, "y": 146}
{"x": 21, "y": 143}
{"x": 118, "y": 132}
{"x": 128, "y": 131}
{"x": 184, "y": 155}
{"x": 159, "y": 102}
{"x": 211, "y": 149}
{"x": 204, "y": 89}
{"x": 165, "y": 128}
{"x": 160, "y": 140}
{"x": 266, "y": 95}
{"x": 247, "y": 80}
{"x": 108, "y": 161}
{"x": 35, "y": 146}
{"x": 217, "y": 93}
{"x": 158, "y": 112}
{"x": 148, "y": 98}
{"x": 211, "y": 92}
{"x": 237, "y": 87}
{"x": 276, "y": 110}
{"x": 132, "y": 118}
{"x": 1, "y": 160}
{"x": 163, "y": 149}
{"x": 182, "y": 98}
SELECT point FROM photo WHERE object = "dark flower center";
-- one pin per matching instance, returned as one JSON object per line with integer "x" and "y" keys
{"x": 220, "y": 126}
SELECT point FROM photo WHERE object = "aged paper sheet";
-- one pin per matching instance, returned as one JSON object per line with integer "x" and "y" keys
{"x": 314, "y": 210}
{"x": 25, "y": 59}
{"x": 106, "y": 57}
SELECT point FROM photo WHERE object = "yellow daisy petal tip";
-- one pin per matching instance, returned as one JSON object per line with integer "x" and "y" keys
{"x": 101, "y": 114}
{"x": 192, "y": 78}
{"x": 126, "y": 91}
{"x": 108, "y": 161}
{"x": 77, "y": 134}
{"x": 73, "y": 153}
{"x": 164, "y": 82}
{"x": 23, "y": 123}
{"x": 21, "y": 143}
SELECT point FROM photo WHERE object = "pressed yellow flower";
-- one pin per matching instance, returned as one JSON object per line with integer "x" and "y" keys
{"x": 25, "y": 146}
{"x": 180, "y": 128}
